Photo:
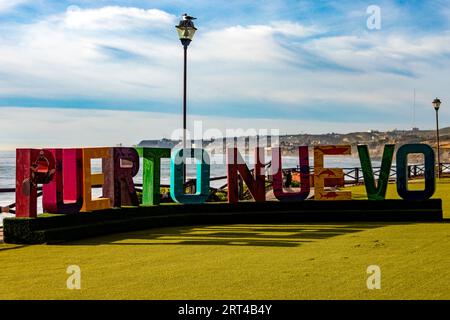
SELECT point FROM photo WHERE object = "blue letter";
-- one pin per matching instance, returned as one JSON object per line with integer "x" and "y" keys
{"x": 402, "y": 172}
{"x": 177, "y": 175}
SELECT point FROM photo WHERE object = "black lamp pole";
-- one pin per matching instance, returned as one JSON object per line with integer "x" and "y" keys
{"x": 186, "y": 30}
{"x": 436, "y": 105}
{"x": 184, "y": 95}
{"x": 438, "y": 144}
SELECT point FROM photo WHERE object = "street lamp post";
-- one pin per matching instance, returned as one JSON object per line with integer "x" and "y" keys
{"x": 186, "y": 30}
{"x": 436, "y": 104}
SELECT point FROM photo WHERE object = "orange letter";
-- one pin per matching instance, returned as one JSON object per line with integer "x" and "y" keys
{"x": 321, "y": 173}
{"x": 90, "y": 179}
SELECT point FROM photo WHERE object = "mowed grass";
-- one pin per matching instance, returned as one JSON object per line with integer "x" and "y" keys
{"x": 288, "y": 261}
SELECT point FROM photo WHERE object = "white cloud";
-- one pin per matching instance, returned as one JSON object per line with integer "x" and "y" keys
{"x": 378, "y": 50}
{"x": 115, "y": 17}
{"x": 252, "y": 43}
{"x": 294, "y": 29}
{"x": 237, "y": 44}
{"x": 48, "y": 59}
{"x": 74, "y": 52}
{"x": 97, "y": 54}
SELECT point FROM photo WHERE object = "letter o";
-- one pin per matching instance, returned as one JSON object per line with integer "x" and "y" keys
{"x": 402, "y": 172}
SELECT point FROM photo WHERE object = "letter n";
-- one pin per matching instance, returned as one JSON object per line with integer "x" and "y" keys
{"x": 255, "y": 182}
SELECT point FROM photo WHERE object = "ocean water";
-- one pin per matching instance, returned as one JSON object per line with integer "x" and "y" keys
{"x": 218, "y": 168}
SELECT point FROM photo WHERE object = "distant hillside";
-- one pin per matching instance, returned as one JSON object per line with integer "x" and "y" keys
{"x": 374, "y": 139}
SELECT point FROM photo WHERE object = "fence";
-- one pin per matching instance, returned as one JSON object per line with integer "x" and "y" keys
{"x": 354, "y": 176}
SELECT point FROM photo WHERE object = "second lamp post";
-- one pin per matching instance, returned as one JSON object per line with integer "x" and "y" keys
{"x": 186, "y": 30}
{"x": 436, "y": 104}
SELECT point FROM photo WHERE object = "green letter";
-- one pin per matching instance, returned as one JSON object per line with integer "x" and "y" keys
{"x": 151, "y": 174}
{"x": 376, "y": 192}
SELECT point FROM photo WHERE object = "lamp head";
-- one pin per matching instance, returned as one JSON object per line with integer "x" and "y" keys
{"x": 436, "y": 104}
{"x": 186, "y": 29}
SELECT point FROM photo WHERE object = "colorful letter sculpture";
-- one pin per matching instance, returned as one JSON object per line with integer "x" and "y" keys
{"x": 119, "y": 171}
{"x": 33, "y": 167}
{"x": 151, "y": 175}
{"x": 255, "y": 183}
{"x": 64, "y": 194}
{"x": 277, "y": 174}
{"x": 321, "y": 173}
{"x": 90, "y": 179}
{"x": 376, "y": 192}
{"x": 177, "y": 166}
{"x": 402, "y": 172}
{"x": 67, "y": 179}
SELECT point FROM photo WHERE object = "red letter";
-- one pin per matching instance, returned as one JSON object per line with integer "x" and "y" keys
{"x": 33, "y": 167}
{"x": 256, "y": 184}
{"x": 64, "y": 194}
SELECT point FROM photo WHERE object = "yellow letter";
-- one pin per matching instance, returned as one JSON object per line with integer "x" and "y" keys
{"x": 90, "y": 179}
{"x": 321, "y": 173}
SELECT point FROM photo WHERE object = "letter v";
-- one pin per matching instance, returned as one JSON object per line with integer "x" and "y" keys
{"x": 376, "y": 192}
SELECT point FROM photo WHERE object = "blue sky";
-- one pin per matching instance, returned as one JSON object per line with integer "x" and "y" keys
{"x": 303, "y": 65}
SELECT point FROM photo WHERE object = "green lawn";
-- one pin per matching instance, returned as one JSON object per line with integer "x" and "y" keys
{"x": 289, "y": 261}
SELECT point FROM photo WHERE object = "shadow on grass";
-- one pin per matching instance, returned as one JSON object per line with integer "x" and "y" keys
{"x": 283, "y": 235}
{"x": 6, "y": 247}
